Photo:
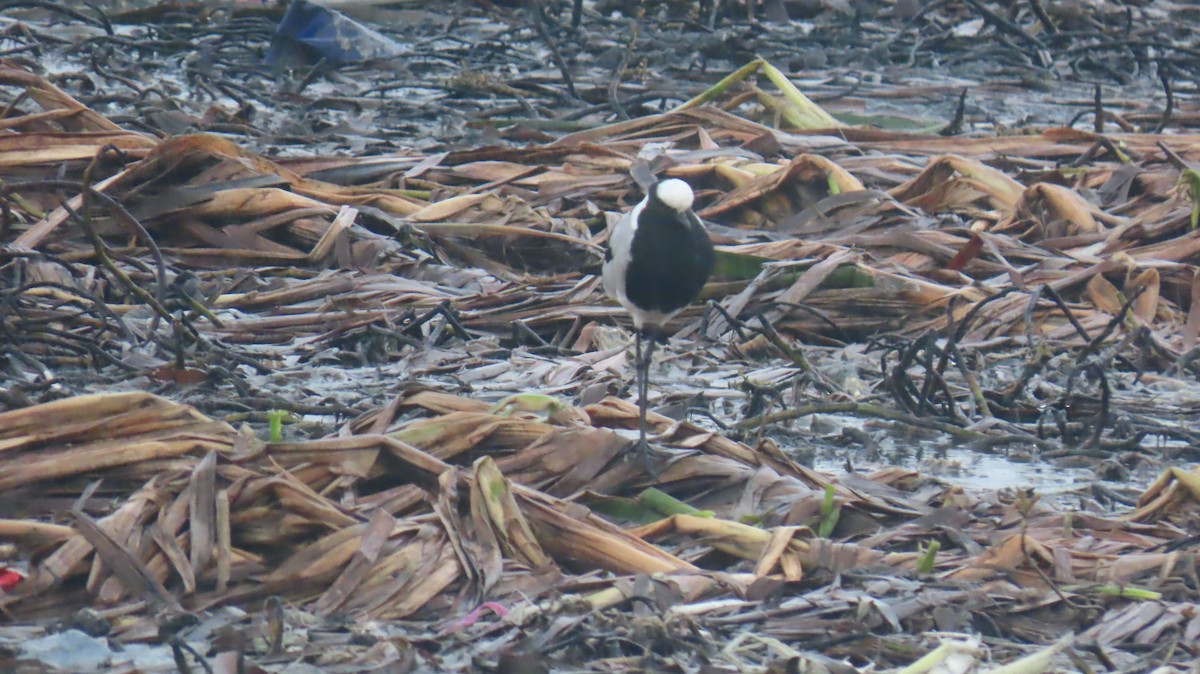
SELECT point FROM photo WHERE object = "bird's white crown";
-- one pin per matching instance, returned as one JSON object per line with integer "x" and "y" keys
{"x": 676, "y": 194}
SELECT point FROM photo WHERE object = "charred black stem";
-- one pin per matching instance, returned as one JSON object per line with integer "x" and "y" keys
{"x": 446, "y": 311}
{"x": 1095, "y": 344}
{"x": 932, "y": 375}
{"x": 1164, "y": 76}
{"x": 156, "y": 301}
{"x": 63, "y": 8}
{"x": 576, "y": 14}
{"x": 1091, "y": 348}
{"x": 101, "y": 310}
{"x": 955, "y": 126}
{"x": 1040, "y": 13}
{"x": 521, "y": 329}
{"x": 1102, "y": 417}
{"x": 797, "y": 357}
{"x": 944, "y": 360}
{"x": 819, "y": 315}
{"x": 178, "y": 649}
{"x": 1006, "y": 26}
{"x": 1062, "y": 305}
{"x": 614, "y": 83}
{"x": 541, "y": 22}
{"x": 903, "y": 389}
{"x": 735, "y": 323}
{"x": 966, "y": 321}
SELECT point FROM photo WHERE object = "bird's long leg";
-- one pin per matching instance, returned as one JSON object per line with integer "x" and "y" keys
{"x": 642, "y": 388}
{"x": 644, "y": 400}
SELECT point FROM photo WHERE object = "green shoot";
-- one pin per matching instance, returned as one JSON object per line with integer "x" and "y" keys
{"x": 829, "y": 514}
{"x": 928, "y": 556}
{"x": 275, "y": 418}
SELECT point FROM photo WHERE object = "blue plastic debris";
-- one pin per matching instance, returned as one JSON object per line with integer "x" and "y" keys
{"x": 310, "y": 32}
{"x": 70, "y": 651}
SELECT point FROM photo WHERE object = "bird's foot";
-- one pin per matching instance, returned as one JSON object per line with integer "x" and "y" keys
{"x": 651, "y": 458}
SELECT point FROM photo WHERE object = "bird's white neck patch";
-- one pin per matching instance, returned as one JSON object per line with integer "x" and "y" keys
{"x": 676, "y": 194}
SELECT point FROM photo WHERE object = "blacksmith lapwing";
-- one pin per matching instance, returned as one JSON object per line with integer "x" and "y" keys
{"x": 658, "y": 258}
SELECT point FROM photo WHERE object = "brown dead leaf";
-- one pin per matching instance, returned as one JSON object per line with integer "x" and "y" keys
{"x": 1058, "y": 211}
{"x": 1104, "y": 295}
{"x": 951, "y": 182}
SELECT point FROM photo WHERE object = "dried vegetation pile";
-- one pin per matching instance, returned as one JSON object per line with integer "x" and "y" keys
{"x": 1068, "y": 255}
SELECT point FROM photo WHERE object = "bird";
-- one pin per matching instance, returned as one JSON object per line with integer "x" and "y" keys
{"x": 658, "y": 258}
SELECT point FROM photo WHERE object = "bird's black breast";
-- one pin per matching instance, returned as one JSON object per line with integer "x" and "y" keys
{"x": 671, "y": 258}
